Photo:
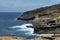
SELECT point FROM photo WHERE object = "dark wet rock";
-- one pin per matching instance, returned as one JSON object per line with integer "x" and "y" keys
{"x": 43, "y": 19}
{"x": 26, "y": 18}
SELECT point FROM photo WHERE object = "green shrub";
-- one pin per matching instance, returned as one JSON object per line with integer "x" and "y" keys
{"x": 55, "y": 16}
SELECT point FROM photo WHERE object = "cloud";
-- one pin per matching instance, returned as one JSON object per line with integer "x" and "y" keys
{"x": 16, "y": 5}
{"x": 11, "y": 3}
{"x": 56, "y": 1}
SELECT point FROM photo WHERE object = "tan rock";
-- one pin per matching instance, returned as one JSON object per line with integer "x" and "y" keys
{"x": 11, "y": 38}
{"x": 57, "y": 38}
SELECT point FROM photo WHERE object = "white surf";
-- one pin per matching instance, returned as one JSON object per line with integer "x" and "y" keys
{"x": 29, "y": 30}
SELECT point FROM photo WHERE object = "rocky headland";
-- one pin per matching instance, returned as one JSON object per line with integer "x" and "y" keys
{"x": 44, "y": 20}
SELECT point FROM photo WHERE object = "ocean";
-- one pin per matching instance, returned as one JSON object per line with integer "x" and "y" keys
{"x": 8, "y": 20}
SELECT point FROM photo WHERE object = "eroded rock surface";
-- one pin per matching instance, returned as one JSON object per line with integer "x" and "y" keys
{"x": 44, "y": 20}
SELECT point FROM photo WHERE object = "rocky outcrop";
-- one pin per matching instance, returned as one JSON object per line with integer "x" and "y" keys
{"x": 44, "y": 20}
{"x": 11, "y": 38}
{"x": 54, "y": 37}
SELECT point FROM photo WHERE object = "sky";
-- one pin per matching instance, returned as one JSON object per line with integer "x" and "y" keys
{"x": 24, "y": 5}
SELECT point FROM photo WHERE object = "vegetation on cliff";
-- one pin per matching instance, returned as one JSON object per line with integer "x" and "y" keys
{"x": 40, "y": 11}
{"x": 54, "y": 8}
{"x": 44, "y": 19}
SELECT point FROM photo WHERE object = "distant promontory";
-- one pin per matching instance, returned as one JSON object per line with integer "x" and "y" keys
{"x": 44, "y": 20}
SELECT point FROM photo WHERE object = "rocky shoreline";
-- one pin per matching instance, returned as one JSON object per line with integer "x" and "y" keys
{"x": 45, "y": 20}
{"x": 11, "y": 38}
{"x": 55, "y": 37}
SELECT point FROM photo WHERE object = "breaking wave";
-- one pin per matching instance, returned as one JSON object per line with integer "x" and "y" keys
{"x": 27, "y": 31}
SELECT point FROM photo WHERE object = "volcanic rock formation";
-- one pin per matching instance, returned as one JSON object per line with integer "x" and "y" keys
{"x": 44, "y": 20}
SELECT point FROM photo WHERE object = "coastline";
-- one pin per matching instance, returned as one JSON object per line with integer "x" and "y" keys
{"x": 55, "y": 37}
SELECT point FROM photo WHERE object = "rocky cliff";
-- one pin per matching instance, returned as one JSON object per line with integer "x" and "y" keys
{"x": 44, "y": 20}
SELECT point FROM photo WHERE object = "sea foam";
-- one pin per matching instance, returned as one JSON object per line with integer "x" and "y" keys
{"x": 23, "y": 29}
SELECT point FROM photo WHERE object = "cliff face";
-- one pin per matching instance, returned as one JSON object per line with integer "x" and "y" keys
{"x": 44, "y": 19}
{"x": 41, "y": 11}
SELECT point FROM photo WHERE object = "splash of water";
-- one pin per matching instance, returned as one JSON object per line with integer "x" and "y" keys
{"x": 24, "y": 28}
{"x": 28, "y": 31}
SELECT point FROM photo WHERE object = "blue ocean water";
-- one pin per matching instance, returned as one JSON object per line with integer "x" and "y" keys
{"x": 9, "y": 19}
